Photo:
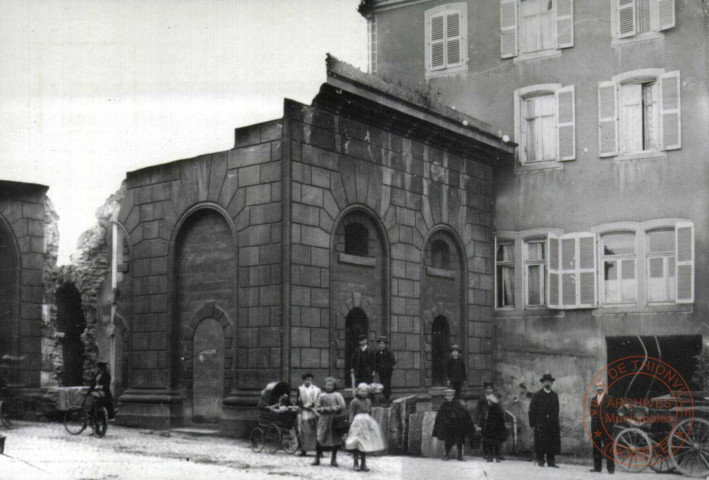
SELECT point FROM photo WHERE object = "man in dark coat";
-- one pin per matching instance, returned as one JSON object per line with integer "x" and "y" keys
{"x": 362, "y": 363}
{"x": 544, "y": 419}
{"x": 602, "y": 404}
{"x": 452, "y": 424}
{"x": 101, "y": 383}
{"x": 455, "y": 370}
{"x": 384, "y": 362}
{"x": 490, "y": 418}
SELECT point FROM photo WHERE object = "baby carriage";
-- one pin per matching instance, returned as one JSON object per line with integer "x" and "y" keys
{"x": 276, "y": 421}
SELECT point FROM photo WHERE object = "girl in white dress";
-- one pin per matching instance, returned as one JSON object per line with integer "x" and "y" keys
{"x": 365, "y": 435}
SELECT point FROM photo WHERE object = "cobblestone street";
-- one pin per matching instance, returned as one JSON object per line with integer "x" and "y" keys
{"x": 46, "y": 451}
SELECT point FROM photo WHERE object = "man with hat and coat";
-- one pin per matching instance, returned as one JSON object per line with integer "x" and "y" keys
{"x": 362, "y": 362}
{"x": 602, "y": 404}
{"x": 384, "y": 362}
{"x": 455, "y": 370}
{"x": 544, "y": 419}
{"x": 491, "y": 419}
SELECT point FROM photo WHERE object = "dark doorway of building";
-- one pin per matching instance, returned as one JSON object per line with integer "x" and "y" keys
{"x": 208, "y": 390}
{"x": 356, "y": 324}
{"x": 8, "y": 287}
{"x": 440, "y": 342}
{"x": 679, "y": 351}
{"x": 71, "y": 322}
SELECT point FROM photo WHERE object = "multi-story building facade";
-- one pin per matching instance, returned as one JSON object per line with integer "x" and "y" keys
{"x": 600, "y": 224}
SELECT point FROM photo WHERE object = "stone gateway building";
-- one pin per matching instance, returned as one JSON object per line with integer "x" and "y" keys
{"x": 369, "y": 212}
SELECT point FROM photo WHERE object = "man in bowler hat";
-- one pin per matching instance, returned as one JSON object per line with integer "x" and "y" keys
{"x": 455, "y": 371}
{"x": 544, "y": 419}
{"x": 384, "y": 362}
{"x": 362, "y": 362}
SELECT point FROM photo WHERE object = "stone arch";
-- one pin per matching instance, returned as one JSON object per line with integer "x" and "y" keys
{"x": 10, "y": 268}
{"x": 203, "y": 299}
{"x": 443, "y": 294}
{"x": 357, "y": 282}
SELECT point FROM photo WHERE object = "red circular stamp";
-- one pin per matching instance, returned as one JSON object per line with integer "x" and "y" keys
{"x": 634, "y": 405}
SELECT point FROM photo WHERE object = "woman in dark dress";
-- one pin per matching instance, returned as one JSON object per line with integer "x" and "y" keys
{"x": 452, "y": 424}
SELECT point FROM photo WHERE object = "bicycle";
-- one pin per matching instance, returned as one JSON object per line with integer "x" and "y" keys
{"x": 76, "y": 419}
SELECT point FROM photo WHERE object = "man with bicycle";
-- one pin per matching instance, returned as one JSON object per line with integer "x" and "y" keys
{"x": 101, "y": 387}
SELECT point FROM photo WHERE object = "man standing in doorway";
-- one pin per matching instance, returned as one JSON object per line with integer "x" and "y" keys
{"x": 544, "y": 419}
{"x": 384, "y": 362}
{"x": 362, "y": 364}
{"x": 455, "y": 371}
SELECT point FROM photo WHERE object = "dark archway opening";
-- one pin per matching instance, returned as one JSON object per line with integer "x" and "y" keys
{"x": 679, "y": 351}
{"x": 440, "y": 342}
{"x": 71, "y": 322}
{"x": 356, "y": 324}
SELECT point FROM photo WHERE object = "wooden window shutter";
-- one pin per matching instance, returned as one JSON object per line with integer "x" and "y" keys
{"x": 566, "y": 123}
{"x": 626, "y": 18}
{"x": 436, "y": 43}
{"x": 665, "y": 14}
{"x": 553, "y": 274}
{"x": 508, "y": 28}
{"x": 684, "y": 275}
{"x": 565, "y": 23}
{"x": 670, "y": 111}
{"x": 454, "y": 37}
{"x": 568, "y": 271}
{"x": 587, "y": 294}
{"x": 607, "y": 119}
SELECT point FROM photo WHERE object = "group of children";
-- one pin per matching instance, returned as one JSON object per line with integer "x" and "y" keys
{"x": 323, "y": 422}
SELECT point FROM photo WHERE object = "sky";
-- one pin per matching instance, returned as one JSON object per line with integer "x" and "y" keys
{"x": 92, "y": 89}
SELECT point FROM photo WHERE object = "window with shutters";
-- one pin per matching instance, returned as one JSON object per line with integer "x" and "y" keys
{"x": 531, "y": 29}
{"x": 571, "y": 271}
{"x": 446, "y": 39}
{"x": 545, "y": 125}
{"x": 636, "y": 20}
{"x": 618, "y": 268}
{"x": 646, "y": 265}
{"x": 639, "y": 114}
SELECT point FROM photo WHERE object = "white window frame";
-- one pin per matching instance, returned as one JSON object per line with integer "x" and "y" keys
{"x": 618, "y": 259}
{"x": 461, "y": 8}
{"x": 506, "y": 241}
{"x": 519, "y": 239}
{"x": 666, "y": 90}
{"x": 542, "y": 271}
{"x": 662, "y": 17}
{"x": 565, "y": 119}
{"x": 510, "y": 26}
{"x": 640, "y": 229}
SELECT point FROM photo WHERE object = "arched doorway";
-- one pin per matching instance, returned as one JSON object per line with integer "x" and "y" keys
{"x": 71, "y": 322}
{"x": 440, "y": 342}
{"x": 356, "y": 324}
{"x": 208, "y": 390}
{"x": 8, "y": 289}
{"x": 205, "y": 273}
